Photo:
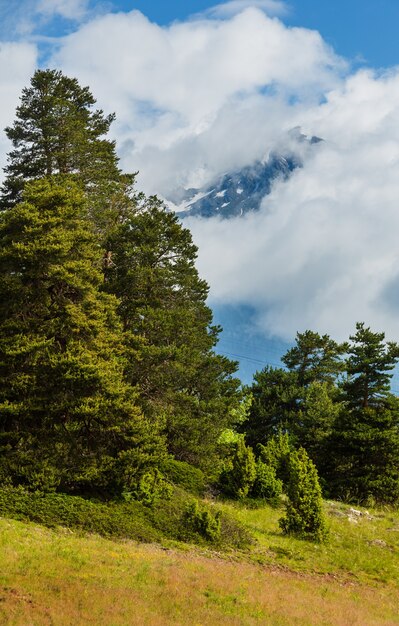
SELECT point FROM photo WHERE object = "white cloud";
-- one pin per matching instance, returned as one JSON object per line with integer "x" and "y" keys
{"x": 228, "y": 9}
{"x": 20, "y": 19}
{"x": 197, "y": 98}
{"x": 17, "y": 64}
{"x": 323, "y": 253}
{"x": 69, "y": 9}
{"x": 175, "y": 88}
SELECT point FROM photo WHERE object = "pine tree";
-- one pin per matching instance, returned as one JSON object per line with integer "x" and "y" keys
{"x": 169, "y": 331}
{"x": 364, "y": 444}
{"x": 276, "y": 396}
{"x": 57, "y": 132}
{"x": 316, "y": 419}
{"x": 369, "y": 367}
{"x": 315, "y": 358}
{"x": 363, "y": 455}
{"x": 66, "y": 414}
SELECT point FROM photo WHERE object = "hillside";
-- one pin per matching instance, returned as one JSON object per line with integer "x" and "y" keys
{"x": 61, "y": 577}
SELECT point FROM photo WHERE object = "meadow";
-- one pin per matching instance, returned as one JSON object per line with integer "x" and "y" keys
{"x": 60, "y": 576}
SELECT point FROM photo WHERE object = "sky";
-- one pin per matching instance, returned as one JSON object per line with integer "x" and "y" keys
{"x": 200, "y": 88}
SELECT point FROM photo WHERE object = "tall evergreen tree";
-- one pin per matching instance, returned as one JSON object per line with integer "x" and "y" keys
{"x": 275, "y": 404}
{"x": 66, "y": 413}
{"x": 58, "y": 131}
{"x": 364, "y": 444}
{"x": 315, "y": 358}
{"x": 369, "y": 368}
{"x": 169, "y": 330}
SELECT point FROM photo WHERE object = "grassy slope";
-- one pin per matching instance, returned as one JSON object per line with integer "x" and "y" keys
{"x": 62, "y": 578}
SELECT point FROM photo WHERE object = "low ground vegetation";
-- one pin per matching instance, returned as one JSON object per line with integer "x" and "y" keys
{"x": 63, "y": 575}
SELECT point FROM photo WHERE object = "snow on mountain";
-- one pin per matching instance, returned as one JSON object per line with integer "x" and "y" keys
{"x": 235, "y": 193}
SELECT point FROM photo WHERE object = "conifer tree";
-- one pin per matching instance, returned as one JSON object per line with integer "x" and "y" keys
{"x": 56, "y": 131}
{"x": 315, "y": 358}
{"x": 369, "y": 367}
{"x": 169, "y": 331}
{"x": 274, "y": 409}
{"x": 364, "y": 444}
{"x": 66, "y": 414}
{"x": 304, "y": 510}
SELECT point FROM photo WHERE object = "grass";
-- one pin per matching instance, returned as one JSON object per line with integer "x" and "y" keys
{"x": 364, "y": 548}
{"x": 61, "y": 576}
{"x": 53, "y": 577}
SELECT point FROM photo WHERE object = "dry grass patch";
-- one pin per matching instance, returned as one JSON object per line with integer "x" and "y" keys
{"x": 58, "y": 578}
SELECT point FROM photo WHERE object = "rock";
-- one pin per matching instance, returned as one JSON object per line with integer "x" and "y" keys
{"x": 379, "y": 542}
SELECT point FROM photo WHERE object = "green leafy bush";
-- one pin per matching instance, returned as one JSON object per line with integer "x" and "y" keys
{"x": 239, "y": 473}
{"x": 276, "y": 454}
{"x": 202, "y": 521}
{"x": 166, "y": 519}
{"x": 304, "y": 510}
{"x": 112, "y": 519}
{"x": 150, "y": 489}
{"x": 266, "y": 486}
{"x": 184, "y": 475}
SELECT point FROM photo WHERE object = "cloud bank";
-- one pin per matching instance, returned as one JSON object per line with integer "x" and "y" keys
{"x": 200, "y": 97}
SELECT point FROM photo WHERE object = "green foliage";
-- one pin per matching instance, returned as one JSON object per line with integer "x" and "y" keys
{"x": 239, "y": 473}
{"x": 276, "y": 454}
{"x": 274, "y": 406}
{"x": 150, "y": 489}
{"x": 115, "y": 371}
{"x": 66, "y": 415}
{"x": 57, "y": 132}
{"x": 315, "y": 358}
{"x": 184, "y": 475}
{"x": 127, "y": 520}
{"x": 316, "y": 421}
{"x": 266, "y": 486}
{"x": 364, "y": 443}
{"x": 369, "y": 367}
{"x": 304, "y": 510}
{"x": 165, "y": 519}
{"x": 200, "y": 520}
{"x": 364, "y": 455}
{"x": 168, "y": 332}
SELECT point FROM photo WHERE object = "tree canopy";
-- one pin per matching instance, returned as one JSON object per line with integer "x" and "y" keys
{"x": 104, "y": 328}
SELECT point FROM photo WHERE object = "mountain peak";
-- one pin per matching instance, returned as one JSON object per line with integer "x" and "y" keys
{"x": 241, "y": 191}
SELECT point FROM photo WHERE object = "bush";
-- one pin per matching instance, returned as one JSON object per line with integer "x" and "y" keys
{"x": 266, "y": 486}
{"x": 127, "y": 520}
{"x": 238, "y": 476}
{"x": 304, "y": 510}
{"x": 276, "y": 453}
{"x": 151, "y": 488}
{"x": 184, "y": 475}
{"x": 202, "y": 521}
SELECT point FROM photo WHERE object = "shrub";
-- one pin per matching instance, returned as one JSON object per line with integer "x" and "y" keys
{"x": 304, "y": 510}
{"x": 266, "y": 485}
{"x": 127, "y": 520}
{"x": 276, "y": 453}
{"x": 239, "y": 473}
{"x": 184, "y": 475}
{"x": 169, "y": 519}
{"x": 202, "y": 521}
{"x": 150, "y": 489}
